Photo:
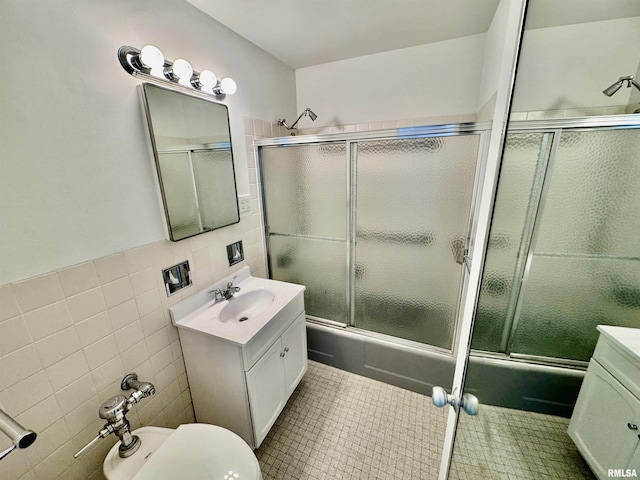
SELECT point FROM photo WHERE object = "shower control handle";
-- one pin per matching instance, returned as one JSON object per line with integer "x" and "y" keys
{"x": 469, "y": 403}
{"x": 632, "y": 426}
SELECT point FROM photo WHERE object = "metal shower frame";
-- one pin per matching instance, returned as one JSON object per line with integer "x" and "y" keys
{"x": 351, "y": 140}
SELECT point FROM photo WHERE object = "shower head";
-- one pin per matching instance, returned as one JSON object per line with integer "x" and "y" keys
{"x": 614, "y": 87}
{"x": 306, "y": 112}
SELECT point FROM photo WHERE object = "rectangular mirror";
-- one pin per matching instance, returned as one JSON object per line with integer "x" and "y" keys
{"x": 192, "y": 147}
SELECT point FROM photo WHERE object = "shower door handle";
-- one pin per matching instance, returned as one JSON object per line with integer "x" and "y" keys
{"x": 466, "y": 261}
{"x": 461, "y": 253}
{"x": 469, "y": 403}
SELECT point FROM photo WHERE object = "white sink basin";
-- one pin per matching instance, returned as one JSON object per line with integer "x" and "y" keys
{"x": 249, "y": 311}
{"x": 244, "y": 306}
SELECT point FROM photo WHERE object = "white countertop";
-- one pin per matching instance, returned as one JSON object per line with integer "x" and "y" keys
{"x": 199, "y": 312}
{"x": 627, "y": 339}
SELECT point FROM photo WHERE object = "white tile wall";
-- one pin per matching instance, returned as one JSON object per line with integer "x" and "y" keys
{"x": 68, "y": 337}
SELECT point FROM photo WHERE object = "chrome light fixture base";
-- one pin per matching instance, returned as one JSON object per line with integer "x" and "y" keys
{"x": 150, "y": 64}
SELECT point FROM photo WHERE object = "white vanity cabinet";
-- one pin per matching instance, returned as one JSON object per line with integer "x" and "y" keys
{"x": 272, "y": 380}
{"x": 605, "y": 425}
{"x": 242, "y": 372}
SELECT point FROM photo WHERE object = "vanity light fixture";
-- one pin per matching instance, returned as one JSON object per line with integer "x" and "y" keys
{"x": 150, "y": 64}
{"x": 206, "y": 81}
{"x": 181, "y": 71}
{"x": 227, "y": 87}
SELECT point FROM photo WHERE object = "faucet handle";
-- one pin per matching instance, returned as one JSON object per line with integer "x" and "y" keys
{"x": 105, "y": 432}
{"x": 217, "y": 294}
{"x": 230, "y": 284}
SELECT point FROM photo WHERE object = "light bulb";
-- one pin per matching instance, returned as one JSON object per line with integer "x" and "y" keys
{"x": 206, "y": 81}
{"x": 151, "y": 57}
{"x": 183, "y": 71}
{"x": 228, "y": 86}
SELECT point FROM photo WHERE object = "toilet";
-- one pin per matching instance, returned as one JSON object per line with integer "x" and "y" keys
{"x": 196, "y": 451}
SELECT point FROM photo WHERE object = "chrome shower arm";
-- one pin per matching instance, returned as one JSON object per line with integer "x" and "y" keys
{"x": 307, "y": 112}
{"x": 298, "y": 119}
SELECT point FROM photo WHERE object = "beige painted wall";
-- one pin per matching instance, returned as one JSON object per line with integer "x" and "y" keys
{"x": 82, "y": 240}
{"x": 76, "y": 177}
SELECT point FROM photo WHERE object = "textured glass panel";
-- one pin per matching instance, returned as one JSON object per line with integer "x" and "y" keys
{"x": 180, "y": 200}
{"x": 523, "y": 151}
{"x": 216, "y": 187}
{"x": 413, "y": 205}
{"x": 320, "y": 265}
{"x": 306, "y": 189}
{"x": 565, "y": 298}
{"x": 594, "y": 194}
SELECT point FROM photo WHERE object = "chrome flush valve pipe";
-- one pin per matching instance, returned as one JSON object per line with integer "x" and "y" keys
{"x": 142, "y": 389}
{"x": 114, "y": 411}
{"x": 20, "y": 437}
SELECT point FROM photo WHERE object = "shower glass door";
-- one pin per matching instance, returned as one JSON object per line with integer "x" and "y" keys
{"x": 563, "y": 255}
{"x": 586, "y": 231}
{"x": 377, "y": 229}
{"x": 305, "y": 196}
{"x": 412, "y": 214}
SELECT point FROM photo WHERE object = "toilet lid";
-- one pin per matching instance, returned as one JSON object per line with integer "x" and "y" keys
{"x": 200, "y": 451}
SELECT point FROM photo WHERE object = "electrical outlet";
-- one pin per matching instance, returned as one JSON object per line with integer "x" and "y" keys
{"x": 244, "y": 203}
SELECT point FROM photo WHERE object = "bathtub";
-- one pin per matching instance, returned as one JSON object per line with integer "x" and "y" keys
{"x": 495, "y": 381}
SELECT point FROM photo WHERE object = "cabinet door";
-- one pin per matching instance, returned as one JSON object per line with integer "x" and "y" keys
{"x": 599, "y": 424}
{"x": 294, "y": 347}
{"x": 265, "y": 384}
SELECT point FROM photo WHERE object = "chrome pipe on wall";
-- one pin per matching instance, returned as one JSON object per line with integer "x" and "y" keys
{"x": 20, "y": 436}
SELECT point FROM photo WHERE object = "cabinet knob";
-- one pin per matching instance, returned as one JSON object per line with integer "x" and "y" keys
{"x": 282, "y": 354}
{"x": 632, "y": 426}
{"x": 286, "y": 349}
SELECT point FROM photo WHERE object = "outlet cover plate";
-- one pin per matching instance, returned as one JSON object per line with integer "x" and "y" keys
{"x": 244, "y": 204}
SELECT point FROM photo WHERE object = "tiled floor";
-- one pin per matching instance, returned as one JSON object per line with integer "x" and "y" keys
{"x": 338, "y": 425}
{"x": 502, "y": 443}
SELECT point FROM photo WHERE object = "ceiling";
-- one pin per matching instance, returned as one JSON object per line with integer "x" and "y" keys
{"x": 310, "y": 32}
{"x": 554, "y": 13}
{"x": 301, "y": 33}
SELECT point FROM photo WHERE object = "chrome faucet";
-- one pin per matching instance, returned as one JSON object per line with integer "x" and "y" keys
{"x": 222, "y": 295}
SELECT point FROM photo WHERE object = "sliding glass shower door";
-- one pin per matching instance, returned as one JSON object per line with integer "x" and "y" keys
{"x": 377, "y": 229}
{"x": 563, "y": 253}
{"x": 413, "y": 204}
{"x": 305, "y": 197}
